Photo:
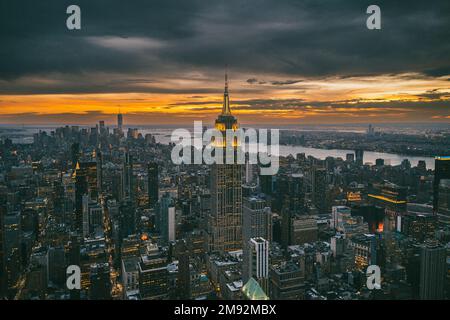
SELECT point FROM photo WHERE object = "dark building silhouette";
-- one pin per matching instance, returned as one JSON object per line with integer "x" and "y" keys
{"x": 2, "y": 250}
{"x": 286, "y": 282}
{"x": 75, "y": 153}
{"x": 373, "y": 215}
{"x": 379, "y": 162}
{"x": 120, "y": 122}
{"x": 56, "y": 266}
{"x": 443, "y": 209}
{"x": 359, "y": 155}
{"x": 286, "y": 226}
{"x": 432, "y": 271}
{"x": 319, "y": 189}
{"x": 100, "y": 282}
{"x": 183, "y": 290}
{"x": 392, "y": 198}
{"x": 127, "y": 218}
{"x": 127, "y": 177}
{"x": 441, "y": 171}
{"x": 153, "y": 275}
{"x": 81, "y": 189}
{"x": 419, "y": 226}
{"x": 153, "y": 184}
{"x": 290, "y": 193}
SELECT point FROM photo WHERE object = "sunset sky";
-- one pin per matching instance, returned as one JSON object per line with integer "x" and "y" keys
{"x": 163, "y": 62}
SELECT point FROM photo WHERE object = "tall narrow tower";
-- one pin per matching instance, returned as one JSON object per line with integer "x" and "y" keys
{"x": 120, "y": 122}
{"x": 225, "y": 220}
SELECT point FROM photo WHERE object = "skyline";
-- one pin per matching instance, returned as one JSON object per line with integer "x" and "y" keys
{"x": 290, "y": 63}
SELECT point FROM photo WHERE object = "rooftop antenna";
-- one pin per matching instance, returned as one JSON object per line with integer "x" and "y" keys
{"x": 226, "y": 78}
{"x": 226, "y": 100}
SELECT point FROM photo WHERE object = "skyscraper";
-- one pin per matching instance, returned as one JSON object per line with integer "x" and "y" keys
{"x": 184, "y": 273}
{"x": 127, "y": 177}
{"x": 89, "y": 170}
{"x": 441, "y": 171}
{"x": 127, "y": 218}
{"x": 393, "y": 199}
{"x": 286, "y": 226}
{"x": 120, "y": 123}
{"x": 319, "y": 187}
{"x": 257, "y": 219}
{"x": 2, "y": 266}
{"x": 81, "y": 189}
{"x": 153, "y": 274}
{"x": 359, "y": 155}
{"x": 56, "y": 271}
{"x": 225, "y": 223}
{"x": 257, "y": 262}
{"x": 432, "y": 271}
{"x": 99, "y": 161}
{"x": 257, "y": 222}
{"x": 153, "y": 184}
{"x": 85, "y": 176}
{"x": 444, "y": 200}
{"x": 85, "y": 210}
{"x": 167, "y": 218}
{"x": 75, "y": 153}
{"x": 290, "y": 193}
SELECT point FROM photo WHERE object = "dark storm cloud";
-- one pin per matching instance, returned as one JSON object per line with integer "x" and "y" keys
{"x": 286, "y": 82}
{"x": 433, "y": 106}
{"x": 435, "y": 94}
{"x": 154, "y": 38}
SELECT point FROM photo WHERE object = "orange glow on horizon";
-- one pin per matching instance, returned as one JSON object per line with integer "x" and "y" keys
{"x": 324, "y": 101}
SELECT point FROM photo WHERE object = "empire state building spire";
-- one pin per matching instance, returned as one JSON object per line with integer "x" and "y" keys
{"x": 226, "y": 99}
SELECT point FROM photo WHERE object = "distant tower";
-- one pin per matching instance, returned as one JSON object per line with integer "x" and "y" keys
{"x": 225, "y": 221}
{"x": 120, "y": 122}
{"x": 359, "y": 155}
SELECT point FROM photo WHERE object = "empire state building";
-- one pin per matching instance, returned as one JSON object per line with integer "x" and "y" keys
{"x": 225, "y": 220}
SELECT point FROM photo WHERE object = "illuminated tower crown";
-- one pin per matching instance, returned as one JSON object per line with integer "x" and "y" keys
{"x": 226, "y": 120}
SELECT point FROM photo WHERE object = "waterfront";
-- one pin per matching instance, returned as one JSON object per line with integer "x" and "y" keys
{"x": 162, "y": 135}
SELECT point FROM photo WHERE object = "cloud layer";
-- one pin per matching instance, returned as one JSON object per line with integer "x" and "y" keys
{"x": 276, "y": 50}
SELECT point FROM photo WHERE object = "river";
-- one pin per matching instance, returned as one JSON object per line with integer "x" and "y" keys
{"x": 163, "y": 136}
